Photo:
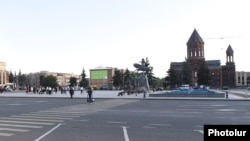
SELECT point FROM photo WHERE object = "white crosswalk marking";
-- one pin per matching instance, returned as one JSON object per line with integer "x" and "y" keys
{"x": 36, "y": 120}
{"x": 6, "y": 134}
{"x": 30, "y": 119}
{"x": 61, "y": 113}
{"x": 18, "y": 125}
{"x": 42, "y": 117}
{"x": 14, "y": 129}
{"x": 26, "y": 122}
{"x": 50, "y": 115}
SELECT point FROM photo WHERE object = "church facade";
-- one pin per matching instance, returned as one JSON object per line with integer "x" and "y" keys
{"x": 221, "y": 75}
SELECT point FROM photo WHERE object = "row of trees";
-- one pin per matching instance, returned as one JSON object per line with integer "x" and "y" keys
{"x": 126, "y": 79}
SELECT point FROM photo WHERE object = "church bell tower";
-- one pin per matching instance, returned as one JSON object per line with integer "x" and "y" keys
{"x": 195, "y": 54}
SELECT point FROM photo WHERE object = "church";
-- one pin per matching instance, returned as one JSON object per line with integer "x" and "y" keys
{"x": 221, "y": 75}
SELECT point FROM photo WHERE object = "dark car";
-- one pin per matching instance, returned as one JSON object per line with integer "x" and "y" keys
{"x": 225, "y": 87}
{"x": 159, "y": 89}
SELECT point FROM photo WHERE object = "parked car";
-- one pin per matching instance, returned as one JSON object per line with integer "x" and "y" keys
{"x": 184, "y": 87}
{"x": 159, "y": 89}
{"x": 7, "y": 89}
{"x": 225, "y": 87}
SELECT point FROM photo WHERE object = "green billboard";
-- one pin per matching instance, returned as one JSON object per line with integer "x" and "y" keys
{"x": 99, "y": 74}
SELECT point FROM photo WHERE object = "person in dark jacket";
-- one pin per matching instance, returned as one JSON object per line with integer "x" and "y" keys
{"x": 71, "y": 91}
{"x": 89, "y": 91}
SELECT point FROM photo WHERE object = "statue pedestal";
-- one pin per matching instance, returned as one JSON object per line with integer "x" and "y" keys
{"x": 142, "y": 83}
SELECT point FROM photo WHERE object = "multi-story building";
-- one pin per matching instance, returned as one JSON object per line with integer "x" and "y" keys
{"x": 242, "y": 79}
{"x": 63, "y": 79}
{"x": 4, "y": 74}
{"x": 102, "y": 77}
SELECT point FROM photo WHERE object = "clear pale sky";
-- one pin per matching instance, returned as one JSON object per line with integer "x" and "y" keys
{"x": 69, "y": 35}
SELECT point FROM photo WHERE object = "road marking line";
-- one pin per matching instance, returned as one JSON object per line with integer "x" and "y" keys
{"x": 17, "y": 125}
{"x": 148, "y": 127}
{"x": 116, "y": 122}
{"x": 217, "y": 105}
{"x": 60, "y": 113}
{"x": 51, "y": 130}
{"x": 15, "y": 104}
{"x": 41, "y": 117}
{"x": 25, "y": 122}
{"x": 6, "y": 134}
{"x": 80, "y": 120}
{"x": 226, "y": 110}
{"x": 12, "y": 129}
{"x": 41, "y": 101}
{"x": 200, "y": 131}
{"x": 125, "y": 133}
{"x": 152, "y": 124}
{"x": 51, "y": 115}
{"x": 30, "y": 119}
{"x": 192, "y": 112}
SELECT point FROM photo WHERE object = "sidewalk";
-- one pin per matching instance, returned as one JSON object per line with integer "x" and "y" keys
{"x": 114, "y": 94}
{"x": 77, "y": 94}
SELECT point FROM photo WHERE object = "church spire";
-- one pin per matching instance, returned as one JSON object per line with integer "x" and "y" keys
{"x": 195, "y": 38}
{"x": 230, "y": 54}
{"x": 195, "y": 46}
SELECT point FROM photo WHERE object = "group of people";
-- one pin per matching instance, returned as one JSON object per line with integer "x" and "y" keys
{"x": 89, "y": 96}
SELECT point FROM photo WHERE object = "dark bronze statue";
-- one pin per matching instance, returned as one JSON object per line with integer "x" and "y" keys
{"x": 144, "y": 66}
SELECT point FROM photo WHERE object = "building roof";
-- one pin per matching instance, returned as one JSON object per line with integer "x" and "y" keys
{"x": 195, "y": 38}
{"x": 213, "y": 64}
{"x": 229, "y": 50}
{"x": 102, "y": 68}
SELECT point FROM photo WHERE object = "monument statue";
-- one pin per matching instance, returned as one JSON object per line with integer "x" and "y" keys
{"x": 142, "y": 70}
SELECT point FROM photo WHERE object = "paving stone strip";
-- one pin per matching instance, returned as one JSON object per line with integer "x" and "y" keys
{"x": 89, "y": 108}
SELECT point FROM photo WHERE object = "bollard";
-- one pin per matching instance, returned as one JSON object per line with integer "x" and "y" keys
{"x": 226, "y": 94}
{"x": 144, "y": 95}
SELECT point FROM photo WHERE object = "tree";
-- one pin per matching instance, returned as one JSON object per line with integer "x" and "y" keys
{"x": 150, "y": 74}
{"x": 73, "y": 81}
{"x": 127, "y": 78}
{"x": 118, "y": 78}
{"x": 172, "y": 77}
{"x": 186, "y": 73}
{"x": 21, "y": 79}
{"x": 49, "y": 81}
{"x": 11, "y": 77}
{"x": 166, "y": 82}
{"x": 84, "y": 82}
{"x": 159, "y": 82}
{"x": 203, "y": 74}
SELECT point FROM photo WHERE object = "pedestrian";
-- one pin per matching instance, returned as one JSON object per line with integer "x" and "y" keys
{"x": 71, "y": 91}
{"x": 89, "y": 98}
{"x": 81, "y": 88}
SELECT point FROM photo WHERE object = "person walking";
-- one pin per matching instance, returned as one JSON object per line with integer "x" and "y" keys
{"x": 71, "y": 91}
{"x": 81, "y": 88}
{"x": 89, "y": 98}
